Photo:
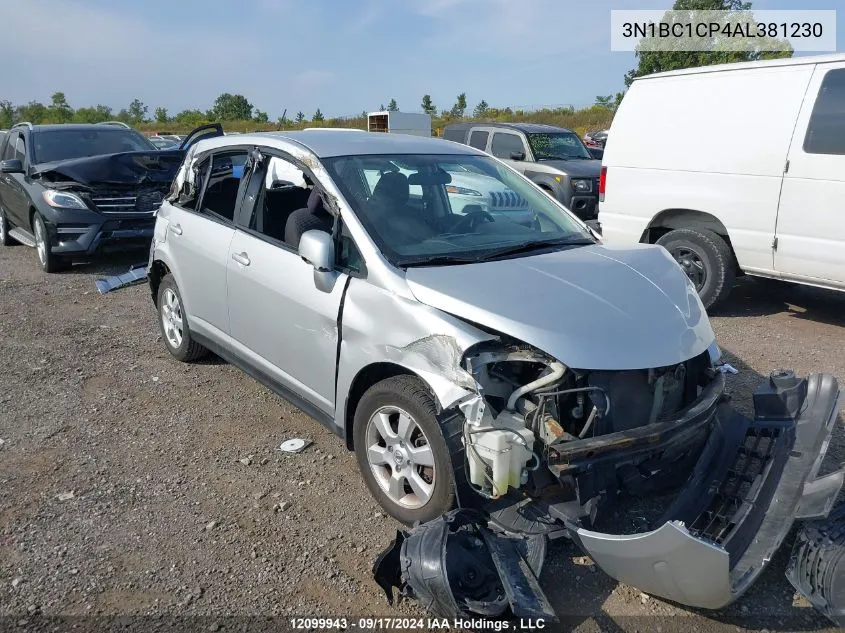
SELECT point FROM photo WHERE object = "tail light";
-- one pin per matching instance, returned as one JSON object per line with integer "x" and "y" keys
{"x": 602, "y": 183}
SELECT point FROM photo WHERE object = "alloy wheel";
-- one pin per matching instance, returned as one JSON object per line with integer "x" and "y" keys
{"x": 171, "y": 317}
{"x": 41, "y": 240}
{"x": 400, "y": 457}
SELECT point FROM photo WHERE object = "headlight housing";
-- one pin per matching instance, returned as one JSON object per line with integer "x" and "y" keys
{"x": 462, "y": 191}
{"x": 63, "y": 199}
{"x": 582, "y": 185}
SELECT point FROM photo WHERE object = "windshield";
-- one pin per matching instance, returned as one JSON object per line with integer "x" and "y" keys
{"x": 433, "y": 209}
{"x": 53, "y": 145}
{"x": 557, "y": 145}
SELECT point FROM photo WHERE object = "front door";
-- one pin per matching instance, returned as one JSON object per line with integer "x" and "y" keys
{"x": 506, "y": 146}
{"x": 810, "y": 240}
{"x": 14, "y": 197}
{"x": 279, "y": 318}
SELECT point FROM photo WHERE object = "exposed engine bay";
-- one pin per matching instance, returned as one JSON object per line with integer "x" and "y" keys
{"x": 546, "y": 429}
{"x": 544, "y": 451}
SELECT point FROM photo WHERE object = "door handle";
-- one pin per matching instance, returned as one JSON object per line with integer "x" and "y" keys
{"x": 176, "y": 228}
{"x": 241, "y": 258}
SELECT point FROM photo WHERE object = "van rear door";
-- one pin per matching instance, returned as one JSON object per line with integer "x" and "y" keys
{"x": 810, "y": 230}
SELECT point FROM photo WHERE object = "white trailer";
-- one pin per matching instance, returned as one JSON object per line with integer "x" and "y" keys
{"x": 399, "y": 123}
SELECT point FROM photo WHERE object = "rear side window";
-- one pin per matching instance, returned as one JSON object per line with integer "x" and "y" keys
{"x": 505, "y": 144}
{"x": 224, "y": 182}
{"x": 826, "y": 130}
{"x": 478, "y": 140}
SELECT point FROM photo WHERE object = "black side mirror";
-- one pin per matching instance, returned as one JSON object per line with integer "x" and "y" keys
{"x": 517, "y": 155}
{"x": 11, "y": 166}
{"x": 596, "y": 152}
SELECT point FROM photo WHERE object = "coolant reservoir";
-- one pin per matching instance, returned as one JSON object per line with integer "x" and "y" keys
{"x": 503, "y": 451}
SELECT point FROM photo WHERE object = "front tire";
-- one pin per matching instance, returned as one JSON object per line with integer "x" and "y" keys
{"x": 706, "y": 259}
{"x": 173, "y": 323}
{"x": 401, "y": 451}
{"x": 50, "y": 263}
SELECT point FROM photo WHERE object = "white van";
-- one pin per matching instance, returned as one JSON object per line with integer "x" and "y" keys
{"x": 734, "y": 169}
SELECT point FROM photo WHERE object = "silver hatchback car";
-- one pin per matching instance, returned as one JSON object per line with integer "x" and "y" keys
{"x": 474, "y": 356}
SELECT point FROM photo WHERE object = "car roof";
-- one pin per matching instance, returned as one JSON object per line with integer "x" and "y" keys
{"x": 328, "y": 143}
{"x": 528, "y": 128}
{"x": 52, "y": 127}
{"x": 766, "y": 63}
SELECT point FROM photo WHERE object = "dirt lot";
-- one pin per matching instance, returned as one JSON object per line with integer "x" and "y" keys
{"x": 176, "y": 486}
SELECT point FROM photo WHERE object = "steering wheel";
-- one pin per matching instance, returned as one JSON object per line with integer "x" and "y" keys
{"x": 469, "y": 221}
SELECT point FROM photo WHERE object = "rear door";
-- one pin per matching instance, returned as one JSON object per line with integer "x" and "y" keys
{"x": 810, "y": 232}
{"x": 199, "y": 232}
{"x": 211, "y": 130}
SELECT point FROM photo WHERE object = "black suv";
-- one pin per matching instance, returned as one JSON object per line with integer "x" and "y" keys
{"x": 75, "y": 190}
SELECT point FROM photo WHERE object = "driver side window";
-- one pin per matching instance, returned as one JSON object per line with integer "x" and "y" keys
{"x": 505, "y": 144}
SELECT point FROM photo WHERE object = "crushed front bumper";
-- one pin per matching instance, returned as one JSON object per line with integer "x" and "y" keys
{"x": 753, "y": 479}
{"x": 96, "y": 235}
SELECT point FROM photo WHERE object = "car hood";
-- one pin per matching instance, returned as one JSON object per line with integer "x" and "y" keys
{"x": 125, "y": 168}
{"x": 592, "y": 307}
{"x": 577, "y": 167}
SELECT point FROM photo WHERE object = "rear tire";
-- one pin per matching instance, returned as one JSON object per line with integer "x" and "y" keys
{"x": 173, "y": 323}
{"x": 5, "y": 238}
{"x": 401, "y": 452}
{"x": 706, "y": 259}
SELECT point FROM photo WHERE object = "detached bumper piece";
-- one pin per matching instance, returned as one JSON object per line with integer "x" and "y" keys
{"x": 754, "y": 478}
{"x": 136, "y": 274}
{"x": 457, "y": 568}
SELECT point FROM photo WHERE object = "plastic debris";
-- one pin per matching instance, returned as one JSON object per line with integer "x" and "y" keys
{"x": 727, "y": 368}
{"x": 294, "y": 445}
{"x": 137, "y": 274}
{"x": 66, "y": 496}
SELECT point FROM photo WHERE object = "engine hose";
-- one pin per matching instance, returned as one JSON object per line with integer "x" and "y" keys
{"x": 558, "y": 369}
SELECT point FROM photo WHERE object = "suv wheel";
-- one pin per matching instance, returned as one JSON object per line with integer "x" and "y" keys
{"x": 173, "y": 324}
{"x": 706, "y": 259}
{"x": 401, "y": 452}
{"x": 50, "y": 263}
{"x": 5, "y": 238}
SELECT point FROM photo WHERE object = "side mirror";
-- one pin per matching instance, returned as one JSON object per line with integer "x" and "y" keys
{"x": 596, "y": 152}
{"x": 317, "y": 248}
{"x": 11, "y": 166}
{"x": 518, "y": 156}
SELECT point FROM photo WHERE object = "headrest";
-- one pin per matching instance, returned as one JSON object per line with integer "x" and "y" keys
{"x": 315, "y": 202}
{"x": 393, "y": 187}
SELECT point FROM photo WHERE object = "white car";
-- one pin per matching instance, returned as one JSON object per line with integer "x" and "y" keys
{"x": 754, "y": 179}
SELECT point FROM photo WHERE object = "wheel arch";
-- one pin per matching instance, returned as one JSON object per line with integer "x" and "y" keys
{"x": 670, "y": 219}
{"x": 367, "y": 377}
{"x": 158, "y": 269}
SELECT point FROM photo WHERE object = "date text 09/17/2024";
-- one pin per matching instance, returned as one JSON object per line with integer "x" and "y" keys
{"x": 417, "y": 624}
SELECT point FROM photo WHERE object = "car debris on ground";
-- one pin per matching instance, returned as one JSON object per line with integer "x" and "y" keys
{"x": 136, "y": 274}
{"x": 294, "y": 445}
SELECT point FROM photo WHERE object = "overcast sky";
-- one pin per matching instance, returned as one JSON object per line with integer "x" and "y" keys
{"x": 343, "y": 56}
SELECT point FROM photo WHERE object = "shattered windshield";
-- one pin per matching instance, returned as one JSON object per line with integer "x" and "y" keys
{"x": 557, "y": 145}
{"x": 444, "y": 209}
{"x": 55, "y": 145}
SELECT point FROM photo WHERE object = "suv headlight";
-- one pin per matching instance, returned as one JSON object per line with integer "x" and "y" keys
{"x": 462, "y": 191}
{"x": 582, "y": 185}
{"x": 63, "y": 199}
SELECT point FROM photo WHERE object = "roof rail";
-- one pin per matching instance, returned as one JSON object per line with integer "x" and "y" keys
{"x": 26, "y": 123}
{"x": 120, "y": 123}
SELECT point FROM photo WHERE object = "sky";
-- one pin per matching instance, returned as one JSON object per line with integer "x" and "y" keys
{"x": 342, "y": 56}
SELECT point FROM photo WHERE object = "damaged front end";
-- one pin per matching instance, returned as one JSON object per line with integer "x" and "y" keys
{"x": 546, "y": 450}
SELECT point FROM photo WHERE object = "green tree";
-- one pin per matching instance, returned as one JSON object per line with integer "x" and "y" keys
{"x": 481, "y": 109}
{"x": 428, "y": 106}
{"x": 191, "y": 118}
{"x": 59, "y": 110}
{"x": 7, "y": 114}
{"x": 604, "y": 101}
{"x": 300, "y": 117}
{"x": 261, "y": 117}
{"x": 34, "y": 112}
{"x": 137, "y": 112}
{"x": 161, "y": 115}
{"x": 229, "y": 107}
{"x": 460, "y": 106}
{"x": 97, "y": 114}
{"x": 392, "y": 106}
{"x": 382, "y": 108}
{"x": 318, "y": 117}
{"x": 651, "y": 59}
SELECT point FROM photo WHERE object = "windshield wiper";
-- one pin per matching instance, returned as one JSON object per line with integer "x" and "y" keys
{"x": 535, "y": 245}
{"x": 439, "y": 260}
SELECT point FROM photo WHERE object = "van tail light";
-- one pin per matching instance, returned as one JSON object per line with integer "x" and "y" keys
{"x": 602, "y": 183}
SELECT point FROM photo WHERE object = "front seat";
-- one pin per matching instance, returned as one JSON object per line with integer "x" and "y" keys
{"x": 392, "y": 189}
{"x": 313, "y": 216}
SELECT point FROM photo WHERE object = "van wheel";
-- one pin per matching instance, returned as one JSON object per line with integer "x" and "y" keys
{"x": 706, "y": 259}
{"x": 401, "y": 452}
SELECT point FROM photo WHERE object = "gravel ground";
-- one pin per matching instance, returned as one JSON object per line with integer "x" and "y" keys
{"x": 131, "y": 484}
